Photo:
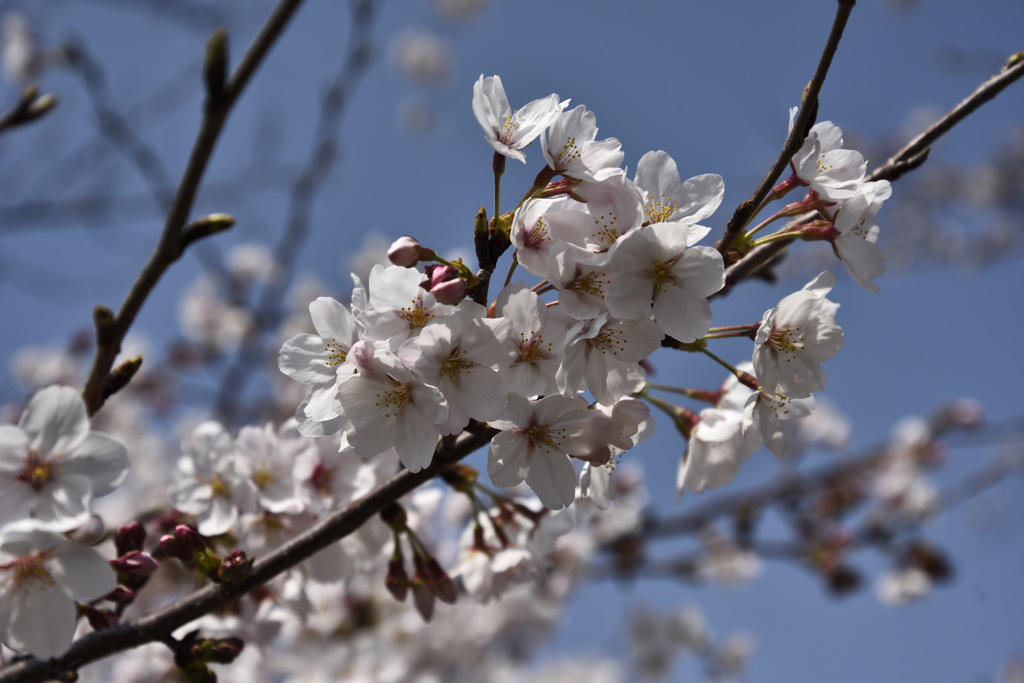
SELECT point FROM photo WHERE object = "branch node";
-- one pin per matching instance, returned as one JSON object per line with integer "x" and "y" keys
{"x": 215, "y": 67}
{"x": 205, "y": 227}
{"x": 120, "y": 376}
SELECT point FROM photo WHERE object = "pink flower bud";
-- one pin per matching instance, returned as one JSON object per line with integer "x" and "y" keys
{"x": 397, "y": 580}
{"x": 175, "y": 548}
{"x": 442, "y": 584}
{"x": 189, "y": 537}
{"x": 129, "y": 537}
{"x": 445, "y": 283}
{"x": 135, "y": 563}
{"x": 99, "y": 619}
{"x": 423, "y": 597}
{"x": 121, "y": 594}
{"x": 405, "y": 252}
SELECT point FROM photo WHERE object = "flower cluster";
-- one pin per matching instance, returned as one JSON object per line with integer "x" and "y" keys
{"x": 554, "y": 372}
{"x": 557, "y": 367}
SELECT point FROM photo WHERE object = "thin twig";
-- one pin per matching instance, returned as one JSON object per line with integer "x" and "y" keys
{"x": 916, "y": 151}
{"x": 111, "y": 329}
{"x": 796, "y": 136}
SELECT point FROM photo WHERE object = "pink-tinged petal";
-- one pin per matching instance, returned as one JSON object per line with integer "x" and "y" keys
{"x": 218, "y": 518}
{"x": 55, "y": 420}
{"x": 17, "y": 500}
{"x": 63, "y": 504}
{"x": 332, "y": 320}
{"x": 701, "y": 271}
{"x": 415, "y": 440}
{"x": 507, "y": 462}
{"x": 82, "y": 572}
{"x": 553, "y": 478}
{"x": 636, "y": 250}
{"x": 682, "y": 315}
{"x": 863, "y": 259}
{"x": 430, "y": 402}
{"x": 699, "y": 197}
{"x": 100, "y": 458}
{"x": 304, "y": 359}
{"x": 14, "y": 448}
{"x": 629, "y": 295}
{"x": 189, "y": 495}
{"x": 518, "y": 412}
{"x": 321, "y": 405}
{"x": 42, "y": 619}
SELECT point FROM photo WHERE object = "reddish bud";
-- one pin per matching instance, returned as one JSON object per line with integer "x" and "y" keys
{"x": 121, "y": 594}
{"x": 99, "y": 619}
{"x": 189, "y": 537}
{"x": 135, "y": 563}
{"x": 234, "y": 567}
{"x": 397, "y": 580}
{"x": 423, "y": 597}
{"x": 445, "y": 283}
{"x": 129, "y": 537}
{"x": 172, "y": 547}
{"x": 444, "y": 587}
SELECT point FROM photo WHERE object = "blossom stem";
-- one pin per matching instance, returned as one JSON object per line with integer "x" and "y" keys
{"x": 787, "y": 235}
{"x": 721, "y": 362}
{"x": 809, "y": 107}
{"x": 511, "y": 269}
{"x": 732, "y": 331}
{"x": 696, "y": 394}
{"x": 498, "y": 165}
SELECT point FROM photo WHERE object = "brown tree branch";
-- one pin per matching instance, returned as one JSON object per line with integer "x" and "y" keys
{"x": 331, "y": 529}
{"x": 795, "y": 139}
{"x": 110, "y": 331}
{"x": 916, "y": 151}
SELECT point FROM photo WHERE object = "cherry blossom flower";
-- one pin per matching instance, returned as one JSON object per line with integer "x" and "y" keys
{"x": 821, "y": 162}
{"x": 267, "y": 457}
{"x": 207, "y": 482}
{"x": 766, "y": 412}
{"x": 604, "y": 353}
{"x": 613, "y": 208}
{"x": 455, "y": 355}
{"x": 536, "y": 441}
{"x": 718, "y": 444}
{"x": 388, "y": 408}
{"x": 581, "y": 286}
{"x": 656, "y": 269}
{"x": 570, "y": 148}
{"x": 796, "y": 337}
{"x": 903, "y": 585}
{"x": 397, "y": 307}
{"x": 52, "y": 466}
{"x": 858, "y": 233}
{"x": 320, "y": 360}
{"x": 535, "y": 342}
{"x": 715, "y": 451}
{"x": 531, "y": 233}
{"x": 43, "y": 575}
{"x": 509, "y": 131}
{"x": 667, "y": 200}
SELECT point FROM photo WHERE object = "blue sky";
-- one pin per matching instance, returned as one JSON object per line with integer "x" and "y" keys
{"x": 711, "y": 83}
